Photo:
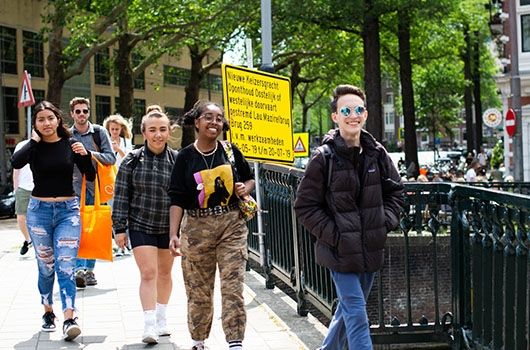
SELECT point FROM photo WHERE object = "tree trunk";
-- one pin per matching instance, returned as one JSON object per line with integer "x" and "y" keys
{"x": 476, "y": 93}
{"x": 54, "y": 67}
{"x": 192, "y": 92}
{"x": 468, "y": 99}
{"x": 125, "y": 77}
{"x": 372, "y": 72}
{"x": 407, "y": 90}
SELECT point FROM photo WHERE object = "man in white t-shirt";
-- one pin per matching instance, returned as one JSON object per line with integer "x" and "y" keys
{"x": 471, "y": 174}
{"x": 23, "y": 185}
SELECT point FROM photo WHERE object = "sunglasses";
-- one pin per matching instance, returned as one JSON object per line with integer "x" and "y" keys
{"x": 210, "y": 118}
{"x": 347, "y": 111}
{"x": 79, "y": 111}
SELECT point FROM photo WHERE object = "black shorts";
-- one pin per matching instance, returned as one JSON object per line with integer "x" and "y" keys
{"x": 139, "y": 238}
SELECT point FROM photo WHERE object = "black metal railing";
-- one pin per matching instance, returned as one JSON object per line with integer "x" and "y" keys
{"x": 456, "y": 271}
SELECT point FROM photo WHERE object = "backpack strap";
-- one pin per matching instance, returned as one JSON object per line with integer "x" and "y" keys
{"x": 229, "y": 151}
{"x": 327, "y": 151}
{"x": 96, "y": 136}
{"x": 137, "y": 154}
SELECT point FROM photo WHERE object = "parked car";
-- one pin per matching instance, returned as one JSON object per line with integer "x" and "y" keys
{"x": 7, "y": 203}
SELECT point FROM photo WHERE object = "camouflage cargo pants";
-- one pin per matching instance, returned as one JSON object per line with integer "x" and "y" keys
{"x": 210, "y": 242}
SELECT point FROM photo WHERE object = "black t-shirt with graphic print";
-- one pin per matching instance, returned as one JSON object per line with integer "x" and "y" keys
{"x": 199, "y": 181}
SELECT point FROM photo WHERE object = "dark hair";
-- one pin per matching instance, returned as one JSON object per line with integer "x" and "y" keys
{"x": 196, "y": 111}
{"x": 342, "y": 90}
{"x": 77, "y": 101}
{"x": 62, "y": 131}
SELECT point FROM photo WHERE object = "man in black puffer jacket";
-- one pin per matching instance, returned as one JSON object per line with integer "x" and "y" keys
{"x": 349, "y": 206}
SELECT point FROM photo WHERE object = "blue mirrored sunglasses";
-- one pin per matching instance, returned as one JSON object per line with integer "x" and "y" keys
{"x": 346, "y": 111}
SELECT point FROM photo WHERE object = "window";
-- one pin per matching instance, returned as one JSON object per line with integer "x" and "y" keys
{"x": 102, "y": 67}
{"x": 38, "y": 95}
{"x": 176, "y": 76}
{"x": 174, "y": 112}
{"x": 139, "y": 81}
{"x": 33, "y": 54}
{"x": 102, "y": 108}
{"x": 389, "y": 98}
{"x": 525, "y": 32}
{"x": 525, "y": 2}
{"x": 10, "y": 110}
{"x": 116, "y": 105}
{"x": 212, "y": 82}
{"x": 389, "y": 118}
{"x": 8, "y": 50}
{"x": 138, "y": 113}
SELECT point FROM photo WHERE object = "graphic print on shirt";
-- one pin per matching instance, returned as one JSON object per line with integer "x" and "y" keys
{"x": 215, "y": 186}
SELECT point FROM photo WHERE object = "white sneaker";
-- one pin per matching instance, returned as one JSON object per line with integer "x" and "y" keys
{"x": 163, "y": 329}
{"x": 150, "y": 335}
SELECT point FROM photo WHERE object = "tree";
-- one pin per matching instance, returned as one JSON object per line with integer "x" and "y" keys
{"x": 88, "y": 24}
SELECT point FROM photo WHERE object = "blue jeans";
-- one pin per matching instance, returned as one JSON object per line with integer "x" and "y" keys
{"x": 54, "y": 228}
{"x": 349, "y": 325}
{"x": 86, "y": 264}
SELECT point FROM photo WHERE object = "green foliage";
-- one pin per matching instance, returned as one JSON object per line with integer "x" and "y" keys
{"x": 497, "y": 155}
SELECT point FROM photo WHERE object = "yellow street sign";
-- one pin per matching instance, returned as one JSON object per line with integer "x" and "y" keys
{"x": 258, "y": 107}
{"x": 301, "y": 144}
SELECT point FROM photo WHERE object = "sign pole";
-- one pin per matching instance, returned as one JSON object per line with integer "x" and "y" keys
{"x": 26, "y": 99}
{"x": 28, "y": 116}
{"x": 260, "y": 233}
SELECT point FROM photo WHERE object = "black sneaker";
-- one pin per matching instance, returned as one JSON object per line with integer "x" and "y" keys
{"x": 71, "y": 329}
{"x": 48, "y": 322}
{"x": 25, "y": 247}
{"x": 80, "y": 280}
{"x": 90, "y": 278}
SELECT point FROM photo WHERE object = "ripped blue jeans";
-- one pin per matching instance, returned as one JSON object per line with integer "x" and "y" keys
{"x": 55, "y": 228}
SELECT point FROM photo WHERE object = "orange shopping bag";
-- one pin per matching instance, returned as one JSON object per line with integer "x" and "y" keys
{"x": 106, "y": 175}
{"x": 96, "y": 227}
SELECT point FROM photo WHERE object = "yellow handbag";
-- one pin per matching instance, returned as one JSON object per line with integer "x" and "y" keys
{"x": 96, "y": 227}
{"x": 106, "y": 175}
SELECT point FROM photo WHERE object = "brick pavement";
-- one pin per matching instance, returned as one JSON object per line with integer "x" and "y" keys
{"x": 110, "y": 313}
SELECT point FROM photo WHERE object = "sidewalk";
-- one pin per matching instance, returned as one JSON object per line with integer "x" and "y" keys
{"x": 111, "y": 317}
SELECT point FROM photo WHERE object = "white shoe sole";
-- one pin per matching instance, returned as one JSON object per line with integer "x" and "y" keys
{"x": 72, "y": 333}
{"x": 48, "y": 330}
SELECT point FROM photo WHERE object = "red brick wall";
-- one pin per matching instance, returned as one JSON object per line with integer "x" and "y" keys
{"x": 421, "y": 279}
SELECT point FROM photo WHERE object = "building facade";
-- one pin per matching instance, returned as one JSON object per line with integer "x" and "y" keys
{"x": 22, "y": 48}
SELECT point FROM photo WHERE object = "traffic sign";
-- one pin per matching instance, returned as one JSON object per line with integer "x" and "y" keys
{"x": 492, "y": 117}
{"x": 301, "y": 144}
{"x": 509, "y": 122}
{"x": 26, "y": 93}
{"x": 258, "y": 107}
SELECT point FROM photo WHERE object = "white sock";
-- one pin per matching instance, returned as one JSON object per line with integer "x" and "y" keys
{"x": 196, "y": 342}
{"x": 235, "y": 345}
{"x": 161, "y": 313}
{"x": 150, "y": 317}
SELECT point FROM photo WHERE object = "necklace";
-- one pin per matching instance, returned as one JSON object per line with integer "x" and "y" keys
{"x": 204, "y": 155}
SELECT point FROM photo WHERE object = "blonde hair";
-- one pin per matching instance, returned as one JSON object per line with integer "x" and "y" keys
{"x": 121, "y": 121}
{"x": 152, "y": 108}
{"x": 154, "y": 114}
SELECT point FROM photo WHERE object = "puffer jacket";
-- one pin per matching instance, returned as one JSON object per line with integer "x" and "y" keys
{"x": 350, "y": 219}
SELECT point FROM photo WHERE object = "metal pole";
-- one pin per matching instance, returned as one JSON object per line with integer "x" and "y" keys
{"x": 28, "y": 126}
{"x": 266, "y": 37}
{"x": 515, "y": 85}
{"x": 260, "y": 233}
{"x": 3, "y": 160}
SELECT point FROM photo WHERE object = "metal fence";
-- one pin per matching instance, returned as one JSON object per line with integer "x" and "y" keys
{"x": 488, "y": 252}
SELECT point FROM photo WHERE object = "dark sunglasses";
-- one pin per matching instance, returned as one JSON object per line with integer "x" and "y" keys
{"x": 346, "y": 111}
{"x": 78, "y": 111}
